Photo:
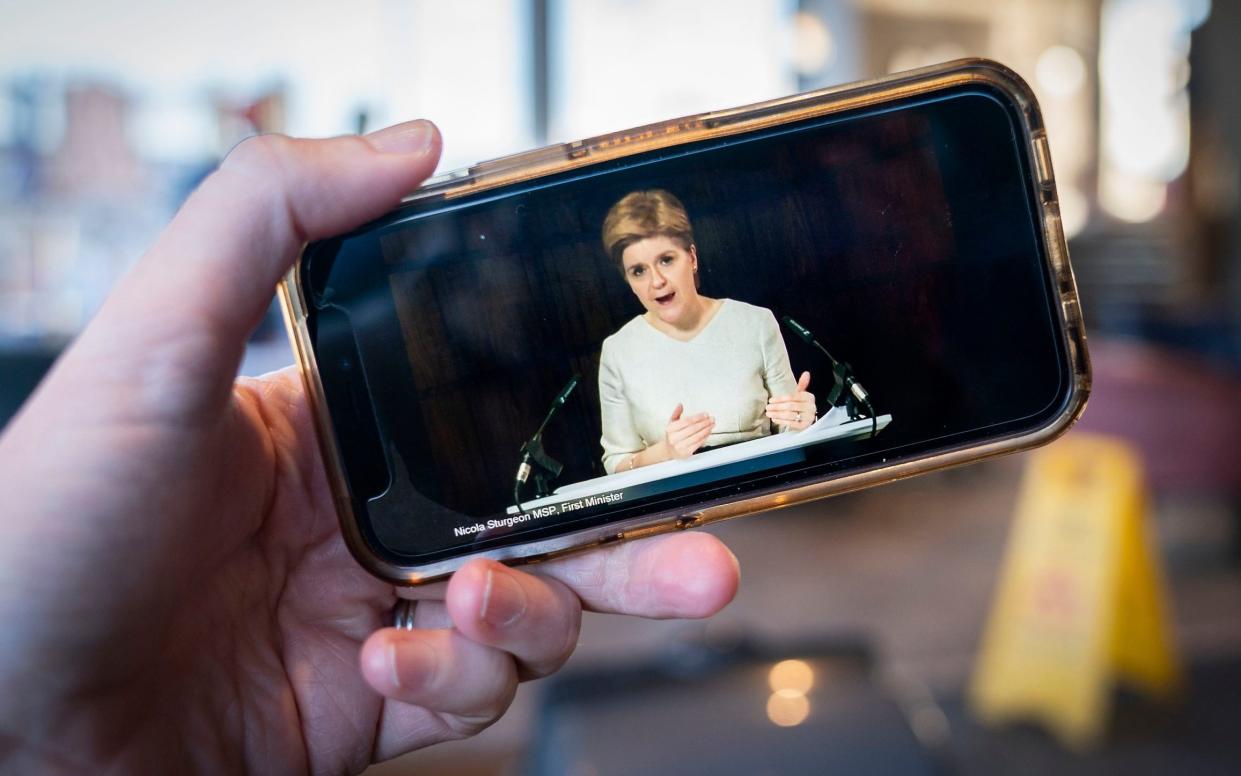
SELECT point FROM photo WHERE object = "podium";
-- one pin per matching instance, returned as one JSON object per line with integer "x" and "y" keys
{"x": 711, "y": 465}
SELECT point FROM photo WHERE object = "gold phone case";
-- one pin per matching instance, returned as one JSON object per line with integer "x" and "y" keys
{"x": 567, "y": 156}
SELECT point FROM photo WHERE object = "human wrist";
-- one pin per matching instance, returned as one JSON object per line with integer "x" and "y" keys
{"x": 657, "y": 453}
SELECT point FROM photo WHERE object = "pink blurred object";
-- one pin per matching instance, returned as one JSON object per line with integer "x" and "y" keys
{"x": 1182, "y": 413}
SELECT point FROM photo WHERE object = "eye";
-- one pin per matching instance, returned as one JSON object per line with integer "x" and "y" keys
{"x": 636, "y": 271}
{"x": 667, "y": 259}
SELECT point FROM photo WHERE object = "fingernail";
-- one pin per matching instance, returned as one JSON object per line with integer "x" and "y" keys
{"x": 407, "y": 138}
{"x": 504, "y": 600}
{"x": 411, "y": 663}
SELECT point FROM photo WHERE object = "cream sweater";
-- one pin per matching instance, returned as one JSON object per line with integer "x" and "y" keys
{"x": 728, "y": 370}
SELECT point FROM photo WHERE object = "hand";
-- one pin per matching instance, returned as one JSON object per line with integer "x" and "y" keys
{"x": 795, "y": 410}
{"x": 174, "y": 589}
{"x": 683, "y": 436}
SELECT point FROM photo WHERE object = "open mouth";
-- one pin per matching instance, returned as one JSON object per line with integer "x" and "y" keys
{"x": 666, "y": 298}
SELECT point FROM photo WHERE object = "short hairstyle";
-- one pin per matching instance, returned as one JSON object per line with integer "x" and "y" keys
{"x": 642, "y": 214}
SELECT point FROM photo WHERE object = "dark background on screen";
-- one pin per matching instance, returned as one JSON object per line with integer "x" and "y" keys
{"x": 904, "y": 241}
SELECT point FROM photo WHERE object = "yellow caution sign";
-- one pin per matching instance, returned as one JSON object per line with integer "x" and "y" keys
{"x": 1080, "y": 604}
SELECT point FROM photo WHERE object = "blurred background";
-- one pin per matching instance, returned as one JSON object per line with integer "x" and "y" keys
{"x": 110, "y": 113}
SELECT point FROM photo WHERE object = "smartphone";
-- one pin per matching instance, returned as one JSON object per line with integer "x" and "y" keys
{"x": 713, "y": 316}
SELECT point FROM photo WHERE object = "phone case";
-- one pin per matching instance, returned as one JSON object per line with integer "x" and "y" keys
{"x": 566, "y": 156}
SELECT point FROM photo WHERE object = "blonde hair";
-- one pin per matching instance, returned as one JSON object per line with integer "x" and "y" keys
{"x": 642, "y": 214}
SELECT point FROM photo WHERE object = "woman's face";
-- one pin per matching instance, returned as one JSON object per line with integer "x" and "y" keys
{"x": 661, "y": 274}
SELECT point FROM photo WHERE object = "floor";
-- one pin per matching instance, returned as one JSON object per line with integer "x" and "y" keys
{"x": 908, "y": 568}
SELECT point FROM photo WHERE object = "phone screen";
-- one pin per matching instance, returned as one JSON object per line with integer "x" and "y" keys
{"x": 636, "y": 335}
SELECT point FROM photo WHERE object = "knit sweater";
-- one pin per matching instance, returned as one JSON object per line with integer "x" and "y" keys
{"x": 728, "y": 370}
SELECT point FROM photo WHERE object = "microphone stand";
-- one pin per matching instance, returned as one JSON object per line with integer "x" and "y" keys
{"x": 534, "y": 458}
{"x": 843, "y": 380}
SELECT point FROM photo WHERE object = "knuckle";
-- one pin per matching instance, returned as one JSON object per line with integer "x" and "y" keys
{"x": 259, "y": 164}
{"x": 617, "y": 576}
{"x": 258, "y": 153}
{"x": 486, "y": 710}
{"x": 458, "y": 726}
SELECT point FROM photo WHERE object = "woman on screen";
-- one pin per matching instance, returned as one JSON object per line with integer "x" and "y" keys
{"x": 690, "y": 372}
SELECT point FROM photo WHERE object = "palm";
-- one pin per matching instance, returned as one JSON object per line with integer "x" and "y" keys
{"x": 174, "y": 589}
{"x": 262, "y": 650}
{"x": 294, "y": 627}
{"x": 248, "y": 653}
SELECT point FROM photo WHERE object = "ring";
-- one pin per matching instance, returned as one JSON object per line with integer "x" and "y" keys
{"x": 403, "y": 614}
{"x": 798, "y": 418}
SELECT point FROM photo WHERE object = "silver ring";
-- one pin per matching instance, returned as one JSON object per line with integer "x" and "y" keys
{"x": 403, "y": 614}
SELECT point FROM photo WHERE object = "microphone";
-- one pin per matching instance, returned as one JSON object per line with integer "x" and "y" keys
{"x": 557, "y": 403}
{"x": 533, "y": 456}
{"x": 564, "y": 392}
{"x": 524, "y": 469}
{"x": 842, "y": 374}
{"x": 801, "y": 331}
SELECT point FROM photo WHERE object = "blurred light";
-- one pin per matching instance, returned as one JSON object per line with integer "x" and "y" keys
{"x": 1151, "y": 141}
{"x": 1195, "y": 12}
{"x": 175, "y": 129}
{"x": 794, "y": 675}
{"x": 1144, "y": 106}
{"x": 787, "y": 708}
{"x": 913, "y": 57}
{"x": 1074, "y": 210}
{"x": 706, "y": 60}
{"x": 1060, "y": 71}
{"x": 1131, "y": 198}
{"x": 813, "y": 46}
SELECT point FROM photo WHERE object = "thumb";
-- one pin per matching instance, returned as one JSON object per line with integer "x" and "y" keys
{"x": 804, "y": 382}
{"x": 676, "y": 414}
{"x": 180, "y": 318}
{"x": 239, "y": 232}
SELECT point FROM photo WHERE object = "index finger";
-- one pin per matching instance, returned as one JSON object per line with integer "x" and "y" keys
{"x": 684, "y": 425}
{"x": 792, "y": 401}
{"x": 684, "y": 575}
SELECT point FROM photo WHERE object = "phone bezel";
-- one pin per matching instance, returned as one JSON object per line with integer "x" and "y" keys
{"x": 560, "y": 158}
